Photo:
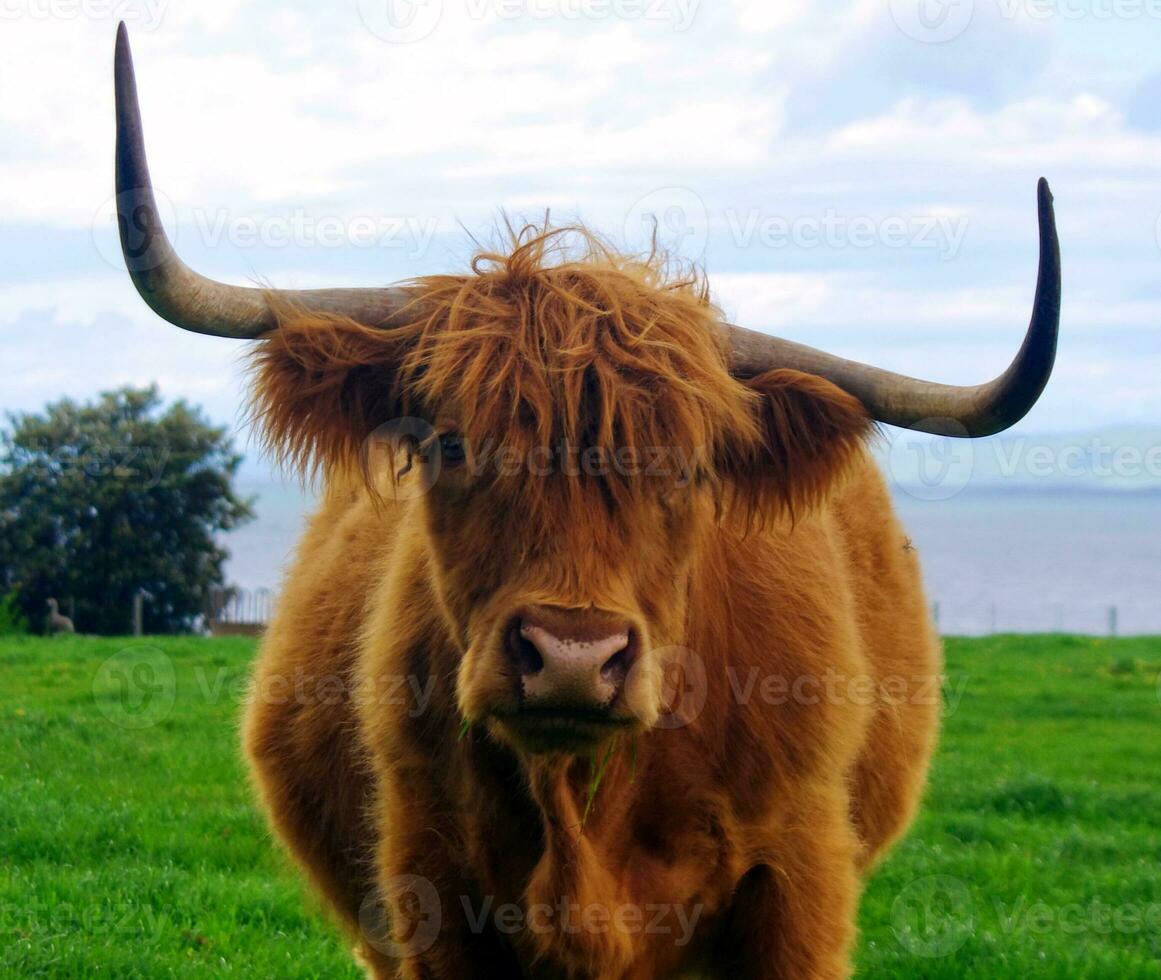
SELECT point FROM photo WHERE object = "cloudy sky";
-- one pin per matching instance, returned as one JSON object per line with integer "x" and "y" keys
{"x": 858, "y": 175}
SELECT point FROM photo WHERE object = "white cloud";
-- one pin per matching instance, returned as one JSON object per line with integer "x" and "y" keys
{"x": 769, "y": 300}
{"x": 252, "y": 108}
{"x": 762, "y": 15}
{"x": 80, "y": 336}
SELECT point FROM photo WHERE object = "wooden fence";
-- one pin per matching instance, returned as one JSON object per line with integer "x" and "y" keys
{"x": 954, "y": 618}
{"x": 239, "y": 612}
{"x": 245, "y": 612}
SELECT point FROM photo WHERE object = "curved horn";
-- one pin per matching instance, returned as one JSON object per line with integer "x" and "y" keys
{"x": 979, "y": 410}
{"x": 170, "y": 287}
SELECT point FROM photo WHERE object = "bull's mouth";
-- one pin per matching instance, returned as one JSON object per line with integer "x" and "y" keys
{"x": 543, "y": 729}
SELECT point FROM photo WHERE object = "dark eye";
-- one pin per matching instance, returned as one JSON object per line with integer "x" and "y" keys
{"x": 451, "y": 448}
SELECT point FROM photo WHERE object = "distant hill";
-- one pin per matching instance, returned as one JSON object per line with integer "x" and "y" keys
{"x": 1101, "y": 461}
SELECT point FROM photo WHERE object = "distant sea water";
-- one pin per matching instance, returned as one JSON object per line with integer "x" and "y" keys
{"x": 994, "y": 560}
{"x": 261, "y": 551}
{"x": 1030, "y": 561}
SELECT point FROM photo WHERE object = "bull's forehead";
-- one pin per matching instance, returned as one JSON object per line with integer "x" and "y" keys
{"x": 599, "y": 356}
{"x": 562, "y": 495}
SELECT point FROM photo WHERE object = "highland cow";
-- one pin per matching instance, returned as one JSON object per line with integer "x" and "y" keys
{"x": 605, "y": 655}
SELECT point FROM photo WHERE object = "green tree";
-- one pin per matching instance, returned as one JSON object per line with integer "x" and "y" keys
{"x": 100, "y": 500}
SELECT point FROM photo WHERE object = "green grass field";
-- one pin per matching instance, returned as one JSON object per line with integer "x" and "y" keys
{"x": 129, "y": 846}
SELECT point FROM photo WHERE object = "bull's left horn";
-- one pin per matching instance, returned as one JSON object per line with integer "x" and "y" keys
{"x": 975, "y": 410}
{"x": 170, "y": 287}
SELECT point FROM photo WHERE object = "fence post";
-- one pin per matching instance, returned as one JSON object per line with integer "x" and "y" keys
{"x": 1112, "y": 620}
{"x": 138, "y": 612}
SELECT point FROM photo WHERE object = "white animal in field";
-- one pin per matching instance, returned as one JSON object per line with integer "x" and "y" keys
{"x": 58, "y": 623}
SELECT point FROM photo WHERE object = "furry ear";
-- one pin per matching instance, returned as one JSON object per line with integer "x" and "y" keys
{"x": 321, "y": 386}
{"x": 810, "y": 432}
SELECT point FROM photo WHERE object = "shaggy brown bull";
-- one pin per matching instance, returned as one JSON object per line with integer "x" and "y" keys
{"x": 619, "y": 664}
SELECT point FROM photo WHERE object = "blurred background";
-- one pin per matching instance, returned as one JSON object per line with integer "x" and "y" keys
{"x": 856, "y": 175}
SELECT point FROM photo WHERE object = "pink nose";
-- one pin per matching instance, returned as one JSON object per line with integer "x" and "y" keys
{"x": 570, "y": 659}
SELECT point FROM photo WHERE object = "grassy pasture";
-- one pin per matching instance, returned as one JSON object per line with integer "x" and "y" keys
{"x": 129, "y": 846}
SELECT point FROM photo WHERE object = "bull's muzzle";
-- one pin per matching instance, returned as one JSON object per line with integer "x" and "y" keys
{"x": 572, "y": 666}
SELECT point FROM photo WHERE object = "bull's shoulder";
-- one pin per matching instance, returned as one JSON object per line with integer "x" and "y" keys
{"x": 338, "y": 560}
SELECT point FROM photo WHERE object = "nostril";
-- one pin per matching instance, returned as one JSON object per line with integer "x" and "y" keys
{"x": 616, "y": 668}
{"x": 522, "y": 650}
